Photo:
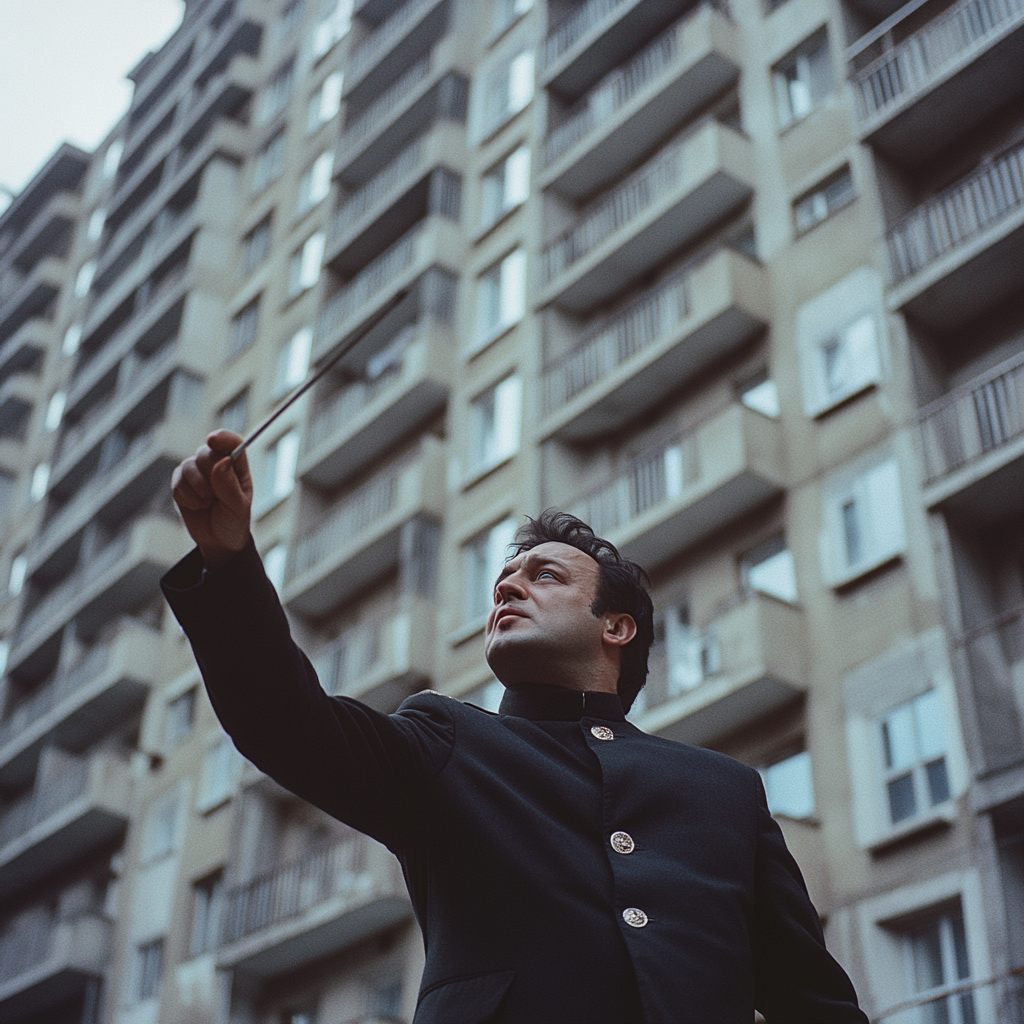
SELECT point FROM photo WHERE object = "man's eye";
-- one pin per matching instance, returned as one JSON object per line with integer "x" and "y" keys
{"x": 545, "y": 572}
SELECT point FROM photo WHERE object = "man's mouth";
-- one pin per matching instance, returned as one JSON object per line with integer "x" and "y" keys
{"x": 504, "y": 613}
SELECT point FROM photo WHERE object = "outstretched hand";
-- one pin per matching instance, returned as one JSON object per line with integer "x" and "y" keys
{"x": 214, "y": 496}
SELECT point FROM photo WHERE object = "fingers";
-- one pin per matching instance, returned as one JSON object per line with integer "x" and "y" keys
{"x": 223, "y": 442}
{"x": 190, "y": 488}
{"x": 228, "y": 487}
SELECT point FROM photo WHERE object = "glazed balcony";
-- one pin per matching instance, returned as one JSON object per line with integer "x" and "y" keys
{"x": 413, "y": 185}
{"x": 32, "y": 296}
{"x": 45, "y": 234}
{"x": 629, "y": 361}
{"x": 917, "y": 97}
{"x": 383, "y": 660}
{"x": 754, "y": 659}
{"x": 434, "y": 242}
{"x": 961, "y": 252}
{"x": 626, "y": 232}
{"x": 307, "y": 909}
{"x": 640, "y": 103}
{"x": 117, "y": 579}
{"x": 79, "y": 703}
{"x": 18, "y": 395}
{"x": 972, "y": 441}
{"x": 368, "y": 417}
{"x": 597, "y": 36}
{"x": 80, "y": 807}
{"x": 46, "y": 964}
{"x": 679, "y": 492}
{"x": 358, "y": 539}
{"x": 23, "y": 351}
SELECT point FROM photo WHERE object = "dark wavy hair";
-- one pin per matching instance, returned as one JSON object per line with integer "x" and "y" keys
{"x": 620, "y": 588}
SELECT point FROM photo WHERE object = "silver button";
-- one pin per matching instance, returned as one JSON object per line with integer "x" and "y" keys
{"x": 602, "y": 732}
{"x": 634, "y": 918}
{"x": 622, "y": 842}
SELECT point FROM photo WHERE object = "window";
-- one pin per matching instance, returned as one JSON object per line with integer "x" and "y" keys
{"x": 482, "y": 559}
{"x": 803, "y": 79}
{"x": 501, "y": 296}
{"x": 789, "y": 786}
{"x": 832, "y": 194}
{"x": 256, "y": 245}
{"x": 275, "y": 94}
{"x": 507, "y": 89}
{"x": 244, "y": 325}
{"x": 83, "y": 282}
{"x": 937, "y": 959}
{"x": 494, "y": 420}
{"x": 161, "y": 833}
{"x": 279, "y": 468}
{"x": 768, "y": 569}
{"x": 304, "y": 266}
{"x": 181, "y": 716}
{"x": 207, "y": 904}
{"x": 55, "y": 410}
{"x": 332, "y": 27}
{"x": 219, "y": 775}
{"x": 112, "y": 158}
{"x": 235, "y": 414}
{"x": 508, "y": 11}
{"x": 761, "y": 395}
{"x": 40, "y": 481}
{"x": 274, "y": 562}
{"x": 147, "y": 969}
{"x": 506, "y": 186}
{"x": 5, "y": 650}
{"x": 690, "y": 657}
{"x": 16, "y": 577}
{"x": 293, "y": 361}
{"x": 269, "y": 163}
{"x": 72, "y": 339}
{"x": 847, "y": 362}
{"x": 96, "y": 221}
{"x": 315, "y": 184}
{"x": 865, "y": 519}
{"x": 913, "y": 738}
{"x": 325, "y": 102}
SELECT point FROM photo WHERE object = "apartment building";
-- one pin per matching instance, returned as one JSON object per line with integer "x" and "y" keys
{"x": 737, "y": 282}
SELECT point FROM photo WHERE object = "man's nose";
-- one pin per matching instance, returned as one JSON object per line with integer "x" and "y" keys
{"x": 509, "y": 588}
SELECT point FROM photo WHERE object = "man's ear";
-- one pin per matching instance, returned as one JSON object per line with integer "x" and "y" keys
{"x": 618, "y": 629}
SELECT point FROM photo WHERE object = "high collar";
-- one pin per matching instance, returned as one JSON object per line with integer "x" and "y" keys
{"x": 541, "y": 703}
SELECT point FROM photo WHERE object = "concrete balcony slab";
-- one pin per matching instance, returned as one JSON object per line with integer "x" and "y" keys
{"x": 18, "y": 396}
{"x": 33, "y": 296}
{"x": 24, "y": 349}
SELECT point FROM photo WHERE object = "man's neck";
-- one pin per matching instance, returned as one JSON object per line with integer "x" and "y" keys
{"x": 542, "y": 702}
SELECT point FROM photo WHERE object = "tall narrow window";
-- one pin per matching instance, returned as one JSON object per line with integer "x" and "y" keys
{"x": 256, "y": 246}
{"x": 16, "y": 577}
{"x": 207, "y": 905}
{"x": 332, "y": 27}
{"x": 274, "y": 562}
{"x": 325, "y": 102}
{"x": 315, "y": 183}
{"x": 83, "y": 282}
{"x": 275, "y": 94}
{"x": 40, "y": 481}
{"x": 304, "y": 265}
{"x": 483, "y": 558}
{"x": 219, "y": 774}
{"x": 505, "y": 186}
{"x": 269, "y": 162}
{"x": 506, "y": 89}
{"x": 147, "y": 970}
{"x": 244, "y": 325}
{"x": 96, "y": 221}
{"x": 279, "y": 468}
{"x": 494, "y": 424}
{"x": 803, "y": 79}
{"x": 501, "y": 296}
{"x": 293, "y": 362}
{"x": 181, "y": 717}
{"x": 939, "y": 962}
{"x": 55, "y": 410}
{"x": 72, "y": 339}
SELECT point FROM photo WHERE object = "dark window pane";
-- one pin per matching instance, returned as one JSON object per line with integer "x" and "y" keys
{"x": 938, "y": 781}
{"x": 901, "y": 798}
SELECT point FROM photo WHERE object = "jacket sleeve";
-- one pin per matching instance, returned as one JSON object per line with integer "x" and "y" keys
{"x": 796, "y": 979}
{"x": 359, "y": 765}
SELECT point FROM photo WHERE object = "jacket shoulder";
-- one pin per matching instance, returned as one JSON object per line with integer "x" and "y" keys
{"x": 714, "y": 763}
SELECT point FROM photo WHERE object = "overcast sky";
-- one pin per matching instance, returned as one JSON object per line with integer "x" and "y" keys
{"x": 62, "y": 68}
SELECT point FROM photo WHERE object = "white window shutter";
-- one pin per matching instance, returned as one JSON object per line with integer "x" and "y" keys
{"x": 885, "y": 511}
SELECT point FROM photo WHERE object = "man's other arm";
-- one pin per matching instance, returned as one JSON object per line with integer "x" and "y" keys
{"x": 796, "y": 979}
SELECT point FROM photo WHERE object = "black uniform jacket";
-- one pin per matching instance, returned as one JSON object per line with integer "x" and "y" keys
{"x": 504, "y": 826}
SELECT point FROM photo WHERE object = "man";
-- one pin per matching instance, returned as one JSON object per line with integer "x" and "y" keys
{"x": 563, "y": 866}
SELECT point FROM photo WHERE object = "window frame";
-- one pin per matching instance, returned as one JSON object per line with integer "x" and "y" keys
{"x": 494, "y": 279}
{"x": 487, "y": 449}
{"x": 844, "y": 173}
{"x": 802, "y": 56}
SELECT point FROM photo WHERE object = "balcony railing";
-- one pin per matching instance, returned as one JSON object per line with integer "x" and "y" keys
{"x": 366, "y": 654}
{"x": 61, "y": 788}
{"x": 295, "y": 887}
{"x": 379, "y": 187}
{"x": 380, "y": 111}
{"x": 975, "y": 419}
{"x": 615, "y": 208}
{"x": 373, "y": 47}
{"x": 613, "y": 92}
{"x": 963, "y": 30}
{"x": 645, "y": 319}
{"x": 567, "y": 32}
{"x": 958, "y": 214}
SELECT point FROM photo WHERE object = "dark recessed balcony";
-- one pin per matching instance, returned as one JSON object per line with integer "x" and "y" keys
{"x": 18, "y": 396}
{"x": 33, "y": 296}
{"x": 23, "y": 351}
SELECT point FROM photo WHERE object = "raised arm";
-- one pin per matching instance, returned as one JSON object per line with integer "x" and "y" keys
{"x": 359, "y": 765}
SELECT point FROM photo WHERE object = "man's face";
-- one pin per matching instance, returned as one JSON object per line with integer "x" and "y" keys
{"x": 542, "y": 614}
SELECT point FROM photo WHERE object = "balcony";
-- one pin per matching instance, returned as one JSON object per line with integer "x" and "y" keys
{"x": 383, "y": 660}
{"x": 118, "y": 578}
{"x": 18, "y": 395}
{"x": 414, "y": 184}
{"x": 632, "y": 359}
{"x": 961, "y": 252}
{"x": 46, "y": 964}
{"x": 80, "y": 702}
{"x": 918, "y": 97}
{"x": 434, "y": 242}
{"x": 682, "y": 491}
{"x": 74, "y": 810}
{"x": 310, "y": 908}
{"x": 23, "y": 351}
{"x": 358, "y": 539}
{"x": 45, "y": 234}
{"x": 366, "y": 418}
{"x": 972, "y": 441}
{"x": 640, "y": 103}
{"x": 32, "y": 297}
{"x": 599, "y": 35}
{"x": 625, "y": 233}
{"x": 761, "y": 663}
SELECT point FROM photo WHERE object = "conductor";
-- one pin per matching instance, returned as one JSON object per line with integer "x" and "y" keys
{"x": 563, "y": 865}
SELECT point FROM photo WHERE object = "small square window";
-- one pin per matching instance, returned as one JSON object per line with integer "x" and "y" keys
{"x": 505, "y": 186}
{"x": 244, "y": 326}
{"x": 825, "y": 199}
{"x": 495, "y": 418}
{"x": 803, "y": 79}
{"x": 181, "y": 717}
{"x": 483, "y": 558}
{"x": 690, "y": 656}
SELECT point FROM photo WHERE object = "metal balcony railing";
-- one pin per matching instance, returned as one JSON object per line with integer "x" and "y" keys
{"x": 292, "y": 888}
{"x": 612, "y": 92}
{"x": 383, "y": 37}
{"x": 913, "y": 65}
{"x": 568, "y": 31}
{"x": 61, "y": 788}
{"x": 957, "y": 214}
{"x": 380, "y": 111}
{"x": 364, "y": 651}
{"x": 975, "y": 419}
{"x": 348, "y": 403}
{"x": 639, "y": 323}
{"x": 614, "y": 209}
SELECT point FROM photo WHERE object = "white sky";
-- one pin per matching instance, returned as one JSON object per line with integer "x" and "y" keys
{"x": 62, "y": 67}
